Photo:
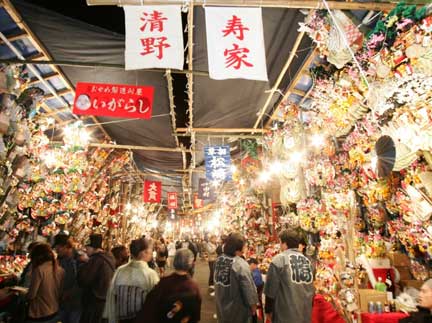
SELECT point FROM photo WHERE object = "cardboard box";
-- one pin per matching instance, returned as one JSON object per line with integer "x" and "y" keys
{"x": 399, "y": 259}
{"x": 370, "y": 295}
{"x": 405, "y": 273}
{"x": 411, "y": 283}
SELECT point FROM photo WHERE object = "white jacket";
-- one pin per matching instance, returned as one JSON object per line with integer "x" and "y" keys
{"x": 121, "y": 303}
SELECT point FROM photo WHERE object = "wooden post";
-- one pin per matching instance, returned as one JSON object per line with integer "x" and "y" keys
{"x": 296, "y": 4}
{"x": 280, "y": 78}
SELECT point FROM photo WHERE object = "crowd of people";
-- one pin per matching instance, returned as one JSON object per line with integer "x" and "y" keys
{"x": 132, "y": 284}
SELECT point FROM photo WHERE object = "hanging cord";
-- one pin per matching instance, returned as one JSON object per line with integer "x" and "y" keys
{"x": 123, "y": 120}
{"x": 342, "y": 34}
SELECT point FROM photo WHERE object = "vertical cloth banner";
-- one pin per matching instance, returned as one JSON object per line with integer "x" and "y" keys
{"x": 152, "y": 192}
{"x": 205, "y": 191}
{"x": 172, "y": 201}
{"x": 235, "y": 43}
{"x": 154, "y": 37}
{"x": 218, "y": 163}
{"x": 197, "y": 202}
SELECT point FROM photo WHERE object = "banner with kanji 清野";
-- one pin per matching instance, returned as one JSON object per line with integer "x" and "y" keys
{"x": 154, "y": 37}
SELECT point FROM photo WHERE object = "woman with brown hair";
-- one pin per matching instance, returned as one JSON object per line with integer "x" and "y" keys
{"x": 45, "y": 287}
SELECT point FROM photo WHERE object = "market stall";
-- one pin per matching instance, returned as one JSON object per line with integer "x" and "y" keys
{"x": 322, "y": 125}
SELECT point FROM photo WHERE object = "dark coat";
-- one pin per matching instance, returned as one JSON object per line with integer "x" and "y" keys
{"x": 94, "y": 278}
{"x": 176, "y": 296}
{"x": 422, "y": 316}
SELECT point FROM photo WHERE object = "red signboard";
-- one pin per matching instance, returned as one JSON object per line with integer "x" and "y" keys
{"x": 172, "y": 201}
{"x": 113, "y": 100}
{"x": 152, "y": 192}
{"x": 197, "y": 202}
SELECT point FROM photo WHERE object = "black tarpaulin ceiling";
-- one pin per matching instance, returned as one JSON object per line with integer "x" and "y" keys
{"x": 218, "y": 104}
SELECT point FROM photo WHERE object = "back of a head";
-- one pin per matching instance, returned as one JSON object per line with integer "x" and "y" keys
{"x": 40, "y": 254}
{"x": 290, "y": 237}
{"x": 233, "y": 243}
{"x": 183, "y": 260}
{"x": 252, "y": 261}
{"x": 63, "y": 240}
{"x": 118, "y": 251}
{"x": 139, "y": 245}
{"x": 32, "y": 245}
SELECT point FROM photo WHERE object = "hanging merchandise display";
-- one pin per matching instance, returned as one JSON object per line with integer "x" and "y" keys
{"x": 352, "y": 168}
{"x": 348, "y": 166}
{"x": 50, "y": 187}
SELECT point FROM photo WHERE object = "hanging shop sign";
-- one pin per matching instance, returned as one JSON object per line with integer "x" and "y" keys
{"x": 113, "y": 100}
{"x": 197, "y": 202}
{"x": 172, "y": 201}
{"x": 205, "y": 190}
{"x": 154, "y": 37}
{"x": 152, "y": 192}
{"x": 235, "y": 43}
{"x": 218, "y": 163}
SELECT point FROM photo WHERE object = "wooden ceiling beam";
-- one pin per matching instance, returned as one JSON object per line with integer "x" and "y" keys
{"x": 46, "y": 77}
{"x": 35, "y": 56}
{"x": 294, "y": 4}
{"x": 280, "y": 78}
{"x": 59, "y": 110}
{"x": 19, "y": 21}
{"x": 134, "y": 147}
{"x": 18, "y": 36}
{"x": 60, "y": 92}
{"x": 302, "y": 71}
{"x": 298, "y": 92}
{"x": 63, "y": 122}
{"x": 220, "y": 130}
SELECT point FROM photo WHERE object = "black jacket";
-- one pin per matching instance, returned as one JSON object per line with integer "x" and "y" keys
{"x": 95, "y": 276}
{"x": 422, "y": 316}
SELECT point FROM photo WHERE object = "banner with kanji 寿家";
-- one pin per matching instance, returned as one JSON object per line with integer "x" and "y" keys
{"x": 235, "y": 43}
{"x": 154, "y": 37}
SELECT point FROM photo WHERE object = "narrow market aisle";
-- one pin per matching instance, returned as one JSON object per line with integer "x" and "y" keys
{"x": 208, "y": 307}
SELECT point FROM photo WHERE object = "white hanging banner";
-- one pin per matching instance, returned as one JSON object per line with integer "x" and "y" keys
{"x": 235, "y": 43}
{"x": 154, "y": 37}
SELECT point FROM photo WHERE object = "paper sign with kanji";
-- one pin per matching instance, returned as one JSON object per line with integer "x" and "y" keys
{"x": 113, "y": 100}
{"x": 197, "y": 202}
{"x": 154, "y": 37}
{"x": 172, "y": 200}
{"x": 152, "y": 192}
{"x": 235, "y": 43}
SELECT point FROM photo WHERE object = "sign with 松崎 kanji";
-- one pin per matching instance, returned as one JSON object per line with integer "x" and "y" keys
{"x": 235, "y": 43}
{"x": 113, "y": 100}
{"x": 152, "y": 192}
{"x": 154, "y": 37}
{"x": 218, "y": 163}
